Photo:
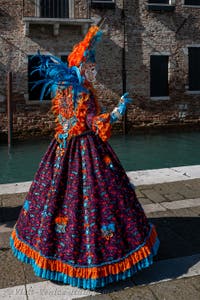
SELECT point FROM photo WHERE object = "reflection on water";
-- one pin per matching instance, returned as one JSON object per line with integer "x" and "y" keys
{"x": 136, "y": 152}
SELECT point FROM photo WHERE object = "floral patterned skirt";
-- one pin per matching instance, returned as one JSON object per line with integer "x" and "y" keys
{"x": 81, "y": 222}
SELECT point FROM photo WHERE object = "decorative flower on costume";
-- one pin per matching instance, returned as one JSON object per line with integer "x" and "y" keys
{"x": 61, "y": 223}
{"x": 108, "y": 231}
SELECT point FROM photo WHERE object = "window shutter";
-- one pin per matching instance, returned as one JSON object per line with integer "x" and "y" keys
{"x": 194, "y": 68}
{"x": 159, "y": 75}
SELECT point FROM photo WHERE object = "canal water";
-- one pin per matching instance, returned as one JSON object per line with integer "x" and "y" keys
{"x": 136, "y": 152}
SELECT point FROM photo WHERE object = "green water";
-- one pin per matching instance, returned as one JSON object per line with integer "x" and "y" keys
{"x": 136, "y": 152}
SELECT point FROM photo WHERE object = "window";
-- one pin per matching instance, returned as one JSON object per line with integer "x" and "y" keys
{"x": 192, "y": 2}
{"x": 54, "y": 8}
{"x": 159, "y": 76}
{"x": 194, "y": 68}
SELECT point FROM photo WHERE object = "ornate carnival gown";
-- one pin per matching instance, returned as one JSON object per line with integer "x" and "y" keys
{"x": 81, "y": 222}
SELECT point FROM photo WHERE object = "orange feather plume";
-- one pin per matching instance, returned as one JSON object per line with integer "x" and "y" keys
{"x": 77, "y": 55}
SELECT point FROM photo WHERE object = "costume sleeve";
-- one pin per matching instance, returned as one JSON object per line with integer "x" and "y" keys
{"x": 99, "y": 123}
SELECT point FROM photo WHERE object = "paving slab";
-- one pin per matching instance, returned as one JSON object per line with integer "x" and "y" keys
{"x": 177, "y": 289}
{"x": 139, "y": 193}
{"x": 4, "y": 240}
{"x": 152, "y": 176}
{"x": 194, "y": 184}
{"x": 186, "y": 203}
{"x": 148, "y": 208}
{"x": 14, "y": 293}
{"x": 132, "y": 294}
{"x": 153, "y": 195}
{"x": 7, "y": 227}
{"x": 189, "y": 194}
{"x": 172, "y": 187}
{"x": 14, "y": 188}
{"x": 165, "y": 270}
{"x": 12, "y": 272}
{"x": 195, "y": 281}
{"x": 5, "y": 231}
{"x": 145, "y": 201}
{"x": 196, "y": 210}
{"x": 159, "y": 187}
{"x": 188, "y": 171}
{"x": 48, "y": 290}
{"x": 173, "y": 196}
{"x": 29, "y": 275}
{"x": 7, "y": 199}
{"x": 187, "y": 212}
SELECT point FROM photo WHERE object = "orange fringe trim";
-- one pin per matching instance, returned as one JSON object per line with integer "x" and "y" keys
{"x": 93, "y": 272}
{"x": 102, "y": 124}
{"x": 77, "y": 54}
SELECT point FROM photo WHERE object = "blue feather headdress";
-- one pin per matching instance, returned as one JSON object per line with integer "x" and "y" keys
{"x": 56, "y": 75}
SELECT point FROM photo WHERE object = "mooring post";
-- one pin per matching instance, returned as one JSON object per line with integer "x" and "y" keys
{"x": 9, "y": 109}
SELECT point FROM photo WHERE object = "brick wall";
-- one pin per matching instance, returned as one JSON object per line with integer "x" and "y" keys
{"x": 146, "y": 32}
{"x": 81, "y": 9}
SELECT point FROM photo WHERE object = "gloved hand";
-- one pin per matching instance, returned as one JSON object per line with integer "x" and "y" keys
{"x": 119, "y": 111}
{"x": 126, "y": 99}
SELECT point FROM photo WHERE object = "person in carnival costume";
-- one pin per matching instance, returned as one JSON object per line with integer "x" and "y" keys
{"x": 81, "y": 223}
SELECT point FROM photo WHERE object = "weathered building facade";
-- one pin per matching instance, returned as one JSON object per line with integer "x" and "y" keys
{"x": 150, "y": 48}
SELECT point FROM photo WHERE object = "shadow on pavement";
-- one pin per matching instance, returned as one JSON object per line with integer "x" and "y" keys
{"x": 8, "y": 213}
{"x": 179, "y": 236}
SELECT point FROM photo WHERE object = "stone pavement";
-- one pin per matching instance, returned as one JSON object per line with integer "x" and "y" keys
{"x": 173, "y": 206}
